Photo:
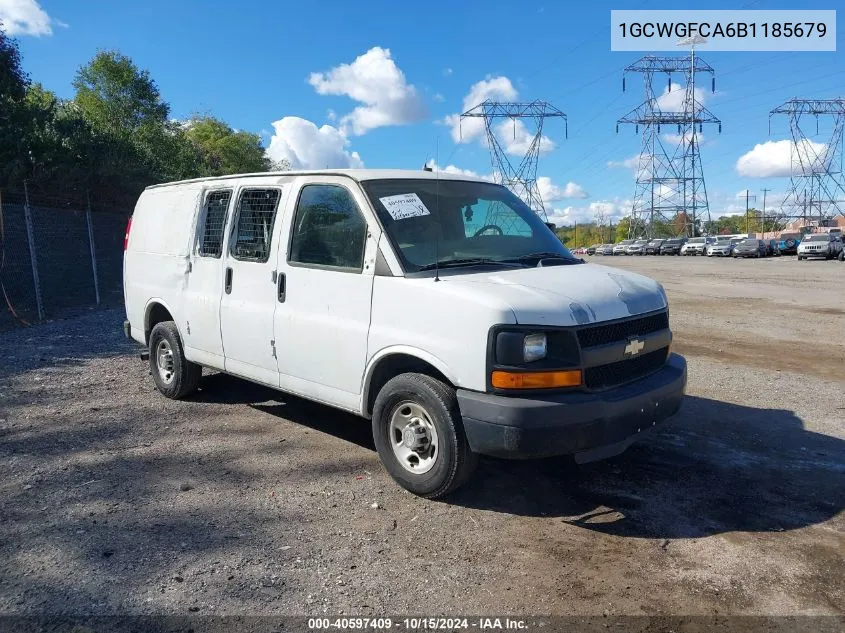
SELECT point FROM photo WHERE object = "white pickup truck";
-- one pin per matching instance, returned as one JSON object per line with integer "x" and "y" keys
{"x": 440, "y": 307}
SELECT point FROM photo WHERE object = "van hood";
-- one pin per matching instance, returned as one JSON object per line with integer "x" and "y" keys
{"x": 567, "y": 295}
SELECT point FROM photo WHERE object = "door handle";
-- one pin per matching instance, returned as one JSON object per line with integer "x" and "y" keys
{"x": 228, "y": 286}
{"x": 282, "y": 287}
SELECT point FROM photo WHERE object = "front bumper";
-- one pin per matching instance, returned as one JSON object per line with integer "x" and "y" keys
{"x": 588, "y": 425}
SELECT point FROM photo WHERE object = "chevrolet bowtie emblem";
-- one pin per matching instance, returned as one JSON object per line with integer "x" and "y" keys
{"x": 634, "y": 347}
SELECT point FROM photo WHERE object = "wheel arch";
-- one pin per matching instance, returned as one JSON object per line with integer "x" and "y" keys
{"x": 397, "y": 360}
{"x": 156, "y": 311}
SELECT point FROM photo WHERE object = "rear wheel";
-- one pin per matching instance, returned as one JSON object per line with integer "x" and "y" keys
{"x": 419, "y": 435}
{"x": 174, "y": 375}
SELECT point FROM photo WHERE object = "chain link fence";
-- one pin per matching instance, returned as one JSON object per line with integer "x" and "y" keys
{"x": 57, "y": 254}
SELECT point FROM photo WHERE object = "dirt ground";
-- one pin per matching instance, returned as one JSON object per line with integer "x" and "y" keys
{"x": 245, "y": 501}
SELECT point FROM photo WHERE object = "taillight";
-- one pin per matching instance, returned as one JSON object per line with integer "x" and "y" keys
{"x": 126, "y": 237}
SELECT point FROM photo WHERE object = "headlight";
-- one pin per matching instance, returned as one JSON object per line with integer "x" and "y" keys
{"x": 534, "y": 347}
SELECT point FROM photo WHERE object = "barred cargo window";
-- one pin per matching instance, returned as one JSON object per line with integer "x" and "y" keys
{"x": 214, "y": 222}
{"x": 254, "y": 230}
{"x": 329, "y": 230}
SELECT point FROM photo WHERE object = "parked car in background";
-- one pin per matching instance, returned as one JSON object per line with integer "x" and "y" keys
{"x": 653, "y": 247}
{"x": 751, "y": 248}
{"x": 722, "y": 247}
{"x": 591, "y": 250}
{"x": 697, "y": 245}
{"x": 637, "y": 248}
{"x": 788, "y": 243}
{"x": 605, "y": 249}
{"x": 772, "y": 248}
{"x": 673, "y": 246}
{"x": 622, "y": 246}
{"x": 827, "y": 245}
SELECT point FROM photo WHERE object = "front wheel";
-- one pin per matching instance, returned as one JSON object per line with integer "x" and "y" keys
{"x": 174, "y": 375}
{"x": 419, "y": 435}
{"x": 842, "y": 255}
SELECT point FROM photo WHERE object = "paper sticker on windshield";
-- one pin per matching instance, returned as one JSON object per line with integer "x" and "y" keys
{"x": 404, "y": 206}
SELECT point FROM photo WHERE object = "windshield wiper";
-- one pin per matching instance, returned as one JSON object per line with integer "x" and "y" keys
{"x": 467, "y": 261}
{"x": 545, "y": 255}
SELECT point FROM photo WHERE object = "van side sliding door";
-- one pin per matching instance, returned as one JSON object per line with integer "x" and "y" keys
{"x": 248, "y": 301}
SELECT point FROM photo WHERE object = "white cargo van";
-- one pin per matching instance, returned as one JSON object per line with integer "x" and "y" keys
{"x": 440, "y": 307}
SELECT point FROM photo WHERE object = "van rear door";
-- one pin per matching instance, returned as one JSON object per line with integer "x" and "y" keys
{"x": 249, "y": 299}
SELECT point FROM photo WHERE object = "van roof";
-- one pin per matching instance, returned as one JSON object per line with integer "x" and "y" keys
{"x": 355, "y": 174}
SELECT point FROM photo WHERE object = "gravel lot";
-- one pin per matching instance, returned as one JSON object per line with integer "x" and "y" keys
{"x": 246, "y": 501}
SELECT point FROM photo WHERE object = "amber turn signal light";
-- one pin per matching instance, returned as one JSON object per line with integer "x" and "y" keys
{"x": 536, "y": 379}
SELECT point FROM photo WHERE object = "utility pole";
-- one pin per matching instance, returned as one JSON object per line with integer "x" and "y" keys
{"x": 669, "y": 177}
{"x": 520, "y": 177}
{"x": 576, "y": 233}
{"x": 816, "y": 174}
{"x": 747, "y": 196}
{"x": 765, "y": 191}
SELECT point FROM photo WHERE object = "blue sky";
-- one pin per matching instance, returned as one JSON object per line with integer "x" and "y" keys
{"x": 375, "y": 83}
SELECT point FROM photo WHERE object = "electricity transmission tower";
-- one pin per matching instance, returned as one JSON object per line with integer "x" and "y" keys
{"x": 670, "y": 195}
{"x": 521, "y": 177}
{"x": 817, "y": 188}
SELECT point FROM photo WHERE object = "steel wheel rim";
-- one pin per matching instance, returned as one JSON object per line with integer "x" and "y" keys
{"x": 413, "y": 438}
{"x": 164, "y": 361}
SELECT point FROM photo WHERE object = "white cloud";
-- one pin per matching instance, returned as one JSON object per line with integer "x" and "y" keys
{"x": 26, "y": 17}
{"x": 497, "y": 88}
{"x": 306, "y": 146}
{"x": 453, "y": 169}
{"x": 447, "y": 72}
{"x": 675, "y": 139}
{"x": 673, "y": 100}
{"x": 374, "y": 80}
{"x": 439, "y": 98}
{"x": 774, "y": 158}
{"x": 551, "y": 192}
{"x": 516, "y": 139}
{"x": 514, "y": 136}
{"x": 629, "y": 163}
{"x": 612, "y": 211}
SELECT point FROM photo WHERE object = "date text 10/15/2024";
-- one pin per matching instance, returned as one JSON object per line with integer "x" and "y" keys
{"x": 418, "y": 624}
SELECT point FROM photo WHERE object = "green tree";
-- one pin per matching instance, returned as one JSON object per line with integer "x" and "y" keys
{"x": 129, "y": 141}
{"x": 13, "y": 85}
{"x": 223, "y": 150}
{"x": 622, "y": 229}
{"x": 114, "y": 95}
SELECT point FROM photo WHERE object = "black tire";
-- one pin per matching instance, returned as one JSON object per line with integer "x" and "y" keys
{"x": 185, "y": 375}
{"x": 841, "y": 257}
{"x": 454, "y": 462}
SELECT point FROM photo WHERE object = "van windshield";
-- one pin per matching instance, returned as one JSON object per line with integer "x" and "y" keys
{"x": 456, "y": 222}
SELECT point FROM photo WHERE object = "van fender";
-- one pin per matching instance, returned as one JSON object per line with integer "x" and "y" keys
{"x": 149, "y": 306}
{"x": 408, "y": 350}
